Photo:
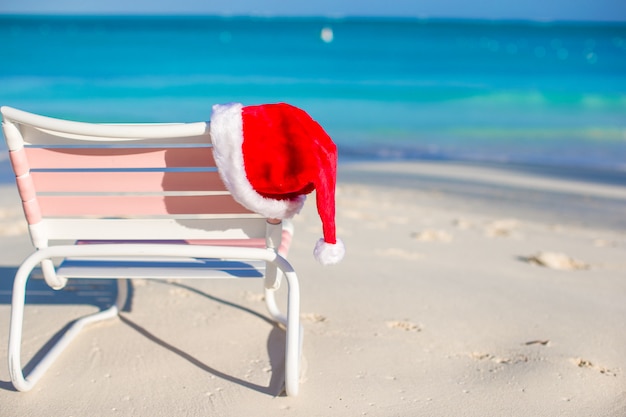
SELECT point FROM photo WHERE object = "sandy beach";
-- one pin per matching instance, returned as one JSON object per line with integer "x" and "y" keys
{"x": 467, "y": 290}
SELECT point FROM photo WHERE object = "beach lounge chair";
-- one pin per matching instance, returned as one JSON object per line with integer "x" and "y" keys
{"x": 137, "y": 201}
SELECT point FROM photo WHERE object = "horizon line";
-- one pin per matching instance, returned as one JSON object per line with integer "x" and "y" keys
{"x": 338, "y": 17}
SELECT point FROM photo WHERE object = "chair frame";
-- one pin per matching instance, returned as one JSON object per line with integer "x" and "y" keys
{"x": 215, "y": 240}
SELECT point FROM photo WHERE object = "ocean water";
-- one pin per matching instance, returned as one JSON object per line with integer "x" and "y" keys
{"x": 551, "y": 94}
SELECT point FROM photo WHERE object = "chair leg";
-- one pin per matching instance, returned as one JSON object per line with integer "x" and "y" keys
{"x": 293, "y": 345}
{"x": 25, "y": 383}
{"x": 122, "y": 293}
{"x": 294, "y": 337}
{"x": 272, "y": 307}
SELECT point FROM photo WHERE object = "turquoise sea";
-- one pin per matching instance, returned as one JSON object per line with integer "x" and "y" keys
{"x": 550, "y": 94}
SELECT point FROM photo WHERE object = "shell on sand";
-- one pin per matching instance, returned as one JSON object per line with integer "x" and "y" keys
{"x": 432, "y": 236}
{"x": 556, "y": 260}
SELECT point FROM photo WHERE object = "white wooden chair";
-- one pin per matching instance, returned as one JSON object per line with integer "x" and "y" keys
{"x": 138, "y": 201}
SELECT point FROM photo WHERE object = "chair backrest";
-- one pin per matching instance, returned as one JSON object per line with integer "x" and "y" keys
{"x": 84, "y": 181}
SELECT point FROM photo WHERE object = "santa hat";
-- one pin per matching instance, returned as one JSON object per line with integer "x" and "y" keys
{"x": 270, "y": 156}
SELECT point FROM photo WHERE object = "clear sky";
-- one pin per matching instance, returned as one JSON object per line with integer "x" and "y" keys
{"x": 602, "y": 10}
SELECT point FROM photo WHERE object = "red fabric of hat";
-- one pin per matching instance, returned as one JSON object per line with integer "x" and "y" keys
{"x": 270, "y": 156}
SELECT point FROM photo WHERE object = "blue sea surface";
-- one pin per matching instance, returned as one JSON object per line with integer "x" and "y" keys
{"x": 551, "y": 94}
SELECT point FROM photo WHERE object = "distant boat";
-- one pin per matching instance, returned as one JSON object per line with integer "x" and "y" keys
{"x": 327, "y": 34}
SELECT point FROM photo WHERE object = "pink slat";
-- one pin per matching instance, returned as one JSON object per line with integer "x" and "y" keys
{"x": 254, "y": 243}
{"x": 63, "y": 206}
{"x": 106, "y": 182}
{"x": 285, "y": 243}
{"x": 32, "y": 211}
{"x": 26, "y": 187}
{"x": 19, "y": 162}
{"x": 120, "y": 158}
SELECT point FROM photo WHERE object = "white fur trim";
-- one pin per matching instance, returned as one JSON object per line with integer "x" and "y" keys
{"x": 327, "y": 253}
{"x": 226, "y": 130}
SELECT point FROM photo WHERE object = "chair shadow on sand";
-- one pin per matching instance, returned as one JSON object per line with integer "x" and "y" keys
{"x": 102, "y": 293}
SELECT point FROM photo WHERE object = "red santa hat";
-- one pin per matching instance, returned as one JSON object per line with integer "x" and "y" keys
{"x": 270, "y": 156}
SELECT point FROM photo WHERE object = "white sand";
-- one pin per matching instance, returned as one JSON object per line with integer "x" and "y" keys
{"x": 437, "y": 310}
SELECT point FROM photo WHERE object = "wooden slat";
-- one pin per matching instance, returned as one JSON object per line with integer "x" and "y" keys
{"x": 119, "y": 158}
{"x": 114, "y": 206}
{"x": 111, "y": 182}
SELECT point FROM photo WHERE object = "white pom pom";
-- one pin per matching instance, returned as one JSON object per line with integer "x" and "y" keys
{"x": 327, "y": 253}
